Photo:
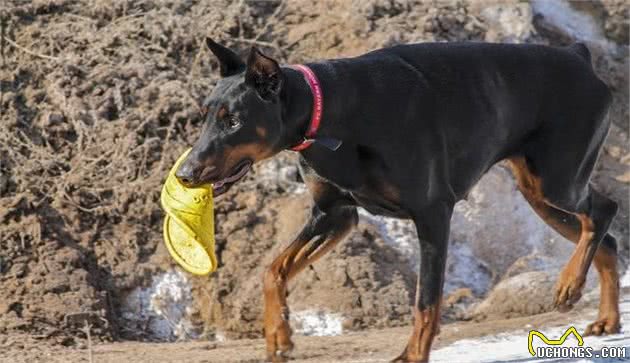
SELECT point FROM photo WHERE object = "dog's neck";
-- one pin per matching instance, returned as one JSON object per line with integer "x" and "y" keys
{"x": 298, "y": 101}
{"x": 298, "y": 106}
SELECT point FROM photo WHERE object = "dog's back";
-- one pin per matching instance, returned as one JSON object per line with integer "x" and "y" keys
{"x": 491, "y": 98}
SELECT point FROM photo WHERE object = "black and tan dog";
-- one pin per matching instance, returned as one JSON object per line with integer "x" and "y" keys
{"x": 406, "y": 132}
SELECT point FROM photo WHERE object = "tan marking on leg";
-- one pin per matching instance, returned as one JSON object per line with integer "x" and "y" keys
{"x": 586, "y": 236}
{"x": 277, "y": 329}
{"x": 608, "y": 318}
{"x": 426, "y": 327}
{"x": 303, "y": 259}
{"x": 580, "y": 230}
{"x": 527, "y": 182}
{"x": 531, "y": 187}
{"x": 573, "y": 275}
{"x": 577, "y": 228}
{"x": 287, "y": 265}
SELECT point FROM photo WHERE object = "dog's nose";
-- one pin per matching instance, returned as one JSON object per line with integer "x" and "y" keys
{"x": 186, "y": 174}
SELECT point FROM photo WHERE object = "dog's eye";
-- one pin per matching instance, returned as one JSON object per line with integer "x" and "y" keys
{"x": 233, "y": 122}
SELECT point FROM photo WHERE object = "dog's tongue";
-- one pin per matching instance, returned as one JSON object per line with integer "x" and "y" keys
{"x": 236, "y": 176}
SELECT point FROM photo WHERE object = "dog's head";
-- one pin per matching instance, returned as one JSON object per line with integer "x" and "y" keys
{"x": 242, "y": 121}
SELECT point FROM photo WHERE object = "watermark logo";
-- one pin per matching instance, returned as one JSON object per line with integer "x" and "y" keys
{"x": 532, "y": 333}
{"x": 553, "y": 348}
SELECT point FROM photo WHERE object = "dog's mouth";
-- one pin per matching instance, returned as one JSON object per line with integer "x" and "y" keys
{"x": 238, "y": 172}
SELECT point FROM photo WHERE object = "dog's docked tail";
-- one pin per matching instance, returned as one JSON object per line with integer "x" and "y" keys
{"x": 582, "y": 50}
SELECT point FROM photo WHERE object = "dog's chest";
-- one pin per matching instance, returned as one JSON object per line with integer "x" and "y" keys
{"x": 377, "y": 203}
{"x": 365, "y": 182}
{"x": 374, "y": 193}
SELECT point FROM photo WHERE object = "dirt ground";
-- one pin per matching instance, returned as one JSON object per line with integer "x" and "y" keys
{"x": 98, "y": 98}
{"x": 373, "y": 345}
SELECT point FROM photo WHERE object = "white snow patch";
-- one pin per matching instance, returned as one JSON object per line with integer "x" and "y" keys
{"x": 278, "y": 172}
{"x": 316, "y": 323}
{"x": 219, "y": 336}
{"x": 512, "y": 347}
{"x": 161, "y": 310}
{"x": 398, "y": 233}
{"x": 579, "y": 25}
{"x": 465, "y": 270}
{"x": 625, "y": 279}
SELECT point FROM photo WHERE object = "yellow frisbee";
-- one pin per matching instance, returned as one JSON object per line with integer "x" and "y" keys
{"x": 189, "y": 223}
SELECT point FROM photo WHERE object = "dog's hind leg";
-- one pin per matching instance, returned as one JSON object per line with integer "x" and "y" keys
{"x": 331, "y": 220}
{"x": 606, "y": 265}
{"x": 578, "y": 228}
{"x": 433, "y": 229}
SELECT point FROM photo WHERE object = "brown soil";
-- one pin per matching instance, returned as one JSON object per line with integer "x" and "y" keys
{"x": 97, "y": 100}
{"x": 366, "y": 346}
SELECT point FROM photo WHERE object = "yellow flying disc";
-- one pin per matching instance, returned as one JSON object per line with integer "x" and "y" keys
{"x": 189, "y": 223}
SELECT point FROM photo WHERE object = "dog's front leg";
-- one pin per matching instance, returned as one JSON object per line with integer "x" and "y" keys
{"x": 433, "y": 228}
{"x": 320, "y": 234}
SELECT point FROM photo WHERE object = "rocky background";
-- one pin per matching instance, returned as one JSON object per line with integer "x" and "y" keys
{"x": 98, "y": 98}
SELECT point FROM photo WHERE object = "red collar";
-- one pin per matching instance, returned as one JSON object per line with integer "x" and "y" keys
{"x": 318, "y": 105}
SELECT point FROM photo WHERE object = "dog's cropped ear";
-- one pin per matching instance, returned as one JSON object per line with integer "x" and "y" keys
{"x": 263, "y": 73}
{"x": 229, "y": 62}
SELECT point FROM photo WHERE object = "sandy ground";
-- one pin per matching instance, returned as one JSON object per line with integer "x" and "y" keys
{"x": 493, "y": 341}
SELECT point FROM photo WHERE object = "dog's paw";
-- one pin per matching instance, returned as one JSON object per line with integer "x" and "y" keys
{"x": 279, "y": 343}
{"x": 278, "y": 357}
{"x": 568, "y": 291}
{"x": 603, "y": 326}
{"x": 403, "y": 358}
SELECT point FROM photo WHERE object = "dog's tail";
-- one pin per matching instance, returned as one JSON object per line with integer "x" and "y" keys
{"x": 582, "y": 50}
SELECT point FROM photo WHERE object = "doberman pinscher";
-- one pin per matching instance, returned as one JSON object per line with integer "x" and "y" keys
{"x": 406, "y": 132}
